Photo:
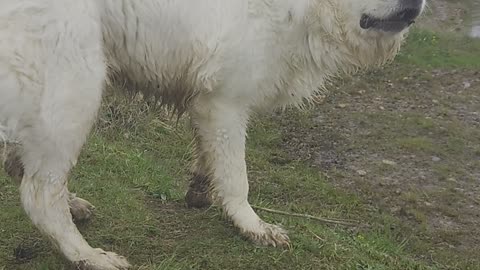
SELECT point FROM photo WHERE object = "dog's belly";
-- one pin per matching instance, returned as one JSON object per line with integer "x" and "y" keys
{"x": 176, "y": 51}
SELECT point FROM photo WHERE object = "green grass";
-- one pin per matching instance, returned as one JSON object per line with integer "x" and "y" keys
{"x": 430, "y": 50}
{"x": 137, "y": 184}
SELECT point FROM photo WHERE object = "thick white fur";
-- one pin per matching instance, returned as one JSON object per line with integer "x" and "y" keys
{"x": 224, "y": 60}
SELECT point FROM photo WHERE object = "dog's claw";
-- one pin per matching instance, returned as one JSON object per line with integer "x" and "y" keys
{"x": 270, "y": 235}
{"x": 103, "y": 260}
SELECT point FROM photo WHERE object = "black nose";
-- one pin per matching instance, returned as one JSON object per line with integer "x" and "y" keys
{"x": 408, "y": 14}
{"x": 409, "y": 10}
{"x": 411, "y": 4}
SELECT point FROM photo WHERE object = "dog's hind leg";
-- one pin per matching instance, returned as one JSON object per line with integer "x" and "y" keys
{"x": 80, "y": 209}
{"x": 221, "y": 128}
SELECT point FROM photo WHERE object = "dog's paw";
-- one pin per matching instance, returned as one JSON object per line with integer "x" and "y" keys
{"x": 268, "y": 235}
{"x": 80, "y": 209}
{"x": 102, "y": 260}
{"x": 196, "y": 199}
{"x": 198, "y": 195}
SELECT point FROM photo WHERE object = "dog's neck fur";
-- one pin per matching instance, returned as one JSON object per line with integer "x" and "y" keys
{"x": 298, "y": 46}
{"x": 357, "y": 49}
{"x": 328, "y": 46}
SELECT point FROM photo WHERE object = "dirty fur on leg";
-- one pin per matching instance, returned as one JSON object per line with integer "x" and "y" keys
{"x": 198, "y": 194}
{"x": 81, "y": 209}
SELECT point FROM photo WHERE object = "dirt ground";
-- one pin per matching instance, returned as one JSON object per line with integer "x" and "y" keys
{"x": 414, "y": 153}
{"x": 407, "y": 140}
{"x": 447, "y": 16}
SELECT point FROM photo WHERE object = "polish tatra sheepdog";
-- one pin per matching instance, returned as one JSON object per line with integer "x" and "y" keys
{"x": 216, "y": 60}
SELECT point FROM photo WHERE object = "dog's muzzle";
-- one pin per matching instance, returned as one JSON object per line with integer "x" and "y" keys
{"x": 405, "y": 16}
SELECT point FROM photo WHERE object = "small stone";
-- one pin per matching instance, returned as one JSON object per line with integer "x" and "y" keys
{"x": 466, "y": 85}
{"x": 395, "y": 209}
{"x": 362, "y": 172}
{"x": 451, "y": 179}
{"x": 382, "y": 108}
{"x": 436, "y": 159}
{"x": 389, "y": 162}
{"x": 435, "y": 101}
{"x": 398, "y": 191}
{"x": 342, "y": 105}
{"x": 428, "y": 204}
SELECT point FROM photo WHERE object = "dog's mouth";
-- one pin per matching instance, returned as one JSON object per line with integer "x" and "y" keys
{"x": 394, "y": 23}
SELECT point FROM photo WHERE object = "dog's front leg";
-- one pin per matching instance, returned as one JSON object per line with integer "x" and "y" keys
{"x": 220, "y": 127}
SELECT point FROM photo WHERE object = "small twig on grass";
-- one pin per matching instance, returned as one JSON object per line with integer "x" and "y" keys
{"x": 343, "y": 222}
{"x": 171, "y": 129}
{"x": 316, "y": 236}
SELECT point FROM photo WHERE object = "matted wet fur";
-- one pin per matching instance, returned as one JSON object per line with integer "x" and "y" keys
{"x": 175, "y": 93}
{"x": 218, "y": 61}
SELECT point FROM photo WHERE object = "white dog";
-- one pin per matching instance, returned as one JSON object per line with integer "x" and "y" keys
{"x": 216, "y": 60}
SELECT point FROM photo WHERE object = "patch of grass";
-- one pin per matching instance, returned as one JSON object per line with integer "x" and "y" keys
{"x": 417, "y": 144}
{"x": 137, "y": 182}
{"x": 427, "y": 49}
